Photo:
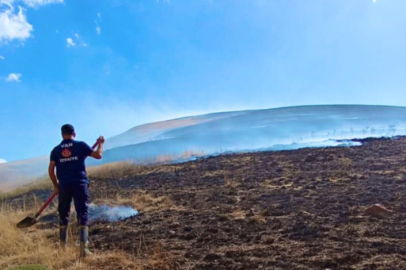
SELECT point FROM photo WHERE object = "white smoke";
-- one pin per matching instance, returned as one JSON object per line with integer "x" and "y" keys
{"x": 110, "y": 213}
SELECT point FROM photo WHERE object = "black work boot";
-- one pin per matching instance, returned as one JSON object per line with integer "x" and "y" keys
{"x": 84, "y": 242}
{"x": 63, "y": 236}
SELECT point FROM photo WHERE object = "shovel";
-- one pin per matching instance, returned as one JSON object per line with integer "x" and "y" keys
{"x": 31, "y": 220}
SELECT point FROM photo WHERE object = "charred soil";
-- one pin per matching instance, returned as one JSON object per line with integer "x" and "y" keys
{"x": 301, "y": 209}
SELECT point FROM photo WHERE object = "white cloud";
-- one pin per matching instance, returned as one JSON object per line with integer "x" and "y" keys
{"x": 70, "y": 43}
{"x": 374, "y": 1}
{"x": 97, "y": 21}
{"x": 76, "y": 41}
{"x": 37, "y": 3}
{"x": 3, "y": 160}
{"x": 2, "y": 57}
{"x": 13, "y": 25}
{"x": 14, "y": 77}
{"x": 9, "y": 3}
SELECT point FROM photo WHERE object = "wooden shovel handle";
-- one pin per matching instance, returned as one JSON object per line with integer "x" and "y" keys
{"x": 45, "y": 205}
{"x": 95, "y": 144}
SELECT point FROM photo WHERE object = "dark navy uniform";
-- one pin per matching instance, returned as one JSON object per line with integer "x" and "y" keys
{"x": 69, "y": 157}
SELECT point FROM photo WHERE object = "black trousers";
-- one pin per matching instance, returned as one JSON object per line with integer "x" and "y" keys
{"x": 80, "y": 195}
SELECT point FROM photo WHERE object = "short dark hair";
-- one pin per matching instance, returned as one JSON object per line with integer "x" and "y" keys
{"x": 67, "y": 129}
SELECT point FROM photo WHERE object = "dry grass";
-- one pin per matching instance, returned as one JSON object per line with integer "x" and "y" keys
{"x": 22, "y": 247}
{"x": 25, "y": 205}
{"x": 110, "y": 260}
{"x": 147, "y": 203}
{"x": 113, "y": 171}
{"x": 40, "y": 248}
{"x": 43, "y": 183}
{"x": 116, "y": 170}
{"x": 168, "y": 159}
{"x": 270, "y": 184}
{"x": 345, "y": 162}
{"x": 216, "y": 173}
{"x": 238, "y": 214}
{"x": 258, "y": 218}
{"x": 124, "y": 169}
{"x": 160, "y": 259}
{"x": 142, "y": 201}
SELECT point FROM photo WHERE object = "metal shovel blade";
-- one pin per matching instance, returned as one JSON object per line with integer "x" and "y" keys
{"x": 27, "y": 222}
{"x": 31, "y": 220}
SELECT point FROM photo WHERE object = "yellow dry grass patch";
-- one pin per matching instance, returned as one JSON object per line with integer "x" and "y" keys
{"x": 109, "y": 260}
{"x": 232, "y": 183}
{"x": 238, "y": 214}
{"x": 142, "y": 201}
{"x": 345, "y": 162}
{"x": 334, "y": 179}
{"x": 216, "y": 173}
{"x": 258, "y": 218}
{"x": 21, "y": 247}
{"x": 38, "y": 247}
{"x": 116, "y": 170}
{"x": 269, "y": 184}
{"x": 147, "y": 203}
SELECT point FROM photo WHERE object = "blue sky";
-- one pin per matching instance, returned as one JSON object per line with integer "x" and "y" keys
{"x": 106, "y": 66}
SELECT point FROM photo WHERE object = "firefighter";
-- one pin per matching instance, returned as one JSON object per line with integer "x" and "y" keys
{"x": 71, "y": 182}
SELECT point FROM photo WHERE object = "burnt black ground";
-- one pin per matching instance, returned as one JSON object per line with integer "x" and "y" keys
{"x": 299, "y": 209}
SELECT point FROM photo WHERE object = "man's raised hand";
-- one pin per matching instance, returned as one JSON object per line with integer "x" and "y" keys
{"x": 101, "y": 140}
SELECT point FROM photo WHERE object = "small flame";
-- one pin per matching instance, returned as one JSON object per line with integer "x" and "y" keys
{"x": 110, "y": 213}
